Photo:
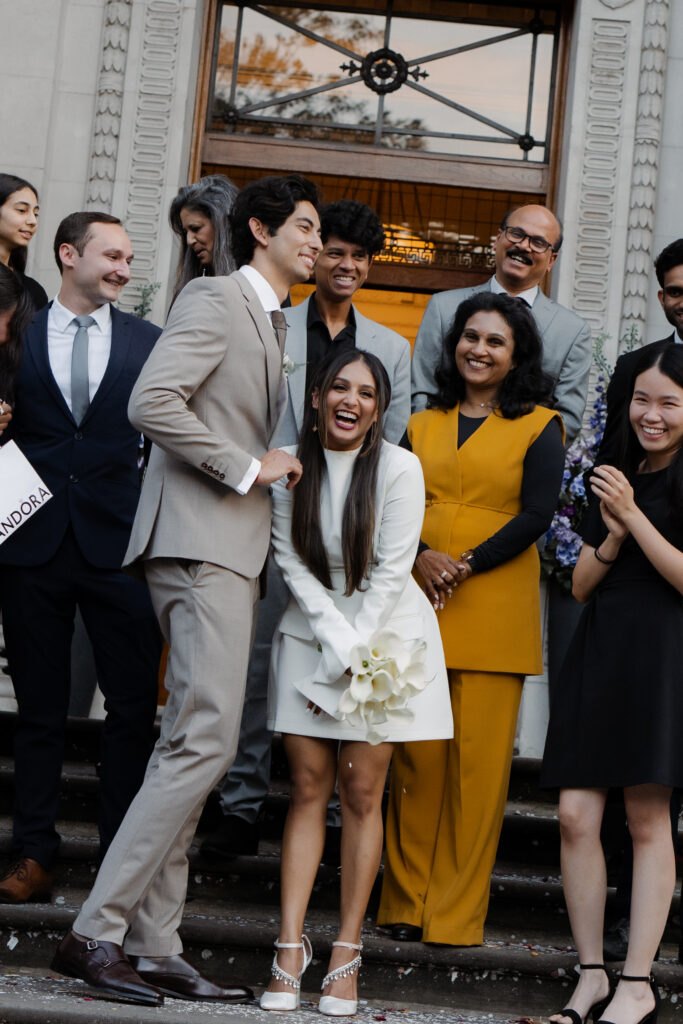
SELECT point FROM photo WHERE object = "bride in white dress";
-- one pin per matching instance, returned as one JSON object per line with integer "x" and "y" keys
{"x": 345, "y": 539}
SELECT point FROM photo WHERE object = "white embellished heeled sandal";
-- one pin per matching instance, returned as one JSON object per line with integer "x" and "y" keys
{"x": 330, "y": 1005}
{"x": 287, "y": 1000}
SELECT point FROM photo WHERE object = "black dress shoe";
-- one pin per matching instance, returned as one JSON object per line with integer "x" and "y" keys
{"x": 104, "y": 966}
{"x": 234, "y": 837}
{"x": 175, "y": 976}
{"x": 406, "y": 932}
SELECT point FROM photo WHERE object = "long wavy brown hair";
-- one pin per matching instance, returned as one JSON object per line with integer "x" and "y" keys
{"x": 359, "y": 508}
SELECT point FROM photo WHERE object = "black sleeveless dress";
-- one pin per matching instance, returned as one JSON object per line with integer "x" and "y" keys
{"x": 616, "y": 718}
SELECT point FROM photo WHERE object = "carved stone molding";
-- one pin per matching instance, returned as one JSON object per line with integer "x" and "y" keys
{"x": 648, "y": 130}
{"x": 107, "y": 122}
{"x": 600, "y": 163}
{"x": 614, "y": 4}
{"x": 151, "y": 133}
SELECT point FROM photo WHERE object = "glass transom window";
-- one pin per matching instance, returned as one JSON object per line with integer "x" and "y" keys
{"x": 429, "y": 77}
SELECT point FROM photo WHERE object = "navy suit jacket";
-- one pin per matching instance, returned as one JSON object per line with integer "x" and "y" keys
{"x": 90, "y": 468}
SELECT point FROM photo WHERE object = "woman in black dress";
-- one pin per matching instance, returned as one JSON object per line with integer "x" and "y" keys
{"x": 616, "y": 716}
{"x": 18, "y": 224}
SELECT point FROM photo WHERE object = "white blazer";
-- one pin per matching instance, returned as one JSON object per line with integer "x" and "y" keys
{"x": 321, "y": 626}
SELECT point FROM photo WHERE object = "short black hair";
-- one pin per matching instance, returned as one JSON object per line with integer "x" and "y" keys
{"x": 671, "y": 256}
{"x": 271, "y": 200}
{"x": 525, "y": 386}
{"x": 75, "y": 230}
{"x": 353, "y": 222}
{"x": 504, "y": 222}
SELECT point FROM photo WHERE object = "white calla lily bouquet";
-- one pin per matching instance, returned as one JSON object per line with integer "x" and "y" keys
{"x": 385, "y": 675}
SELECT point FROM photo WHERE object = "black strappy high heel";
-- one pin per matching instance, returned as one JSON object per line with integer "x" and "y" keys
{"x": 597, "y": 1008}
{"x": 651, "y": 1016}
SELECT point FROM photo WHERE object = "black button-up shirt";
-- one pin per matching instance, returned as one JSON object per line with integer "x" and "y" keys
{"x": 319, "y": 342}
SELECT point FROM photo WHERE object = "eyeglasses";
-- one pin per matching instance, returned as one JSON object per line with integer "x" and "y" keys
{"x": 536, "y": 243}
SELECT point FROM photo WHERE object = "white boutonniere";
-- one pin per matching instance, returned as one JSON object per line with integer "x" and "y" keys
{"x": 385, "y": 676}
{"x": 288, "y": 365}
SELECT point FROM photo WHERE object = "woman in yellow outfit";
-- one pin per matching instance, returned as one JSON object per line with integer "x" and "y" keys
{"x": 492, "y": 458}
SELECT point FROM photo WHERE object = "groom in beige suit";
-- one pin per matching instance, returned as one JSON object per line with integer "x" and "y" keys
{"x": 209, "y": 397}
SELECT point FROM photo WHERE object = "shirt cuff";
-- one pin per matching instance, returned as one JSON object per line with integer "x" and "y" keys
{"x": 248, "y": 479}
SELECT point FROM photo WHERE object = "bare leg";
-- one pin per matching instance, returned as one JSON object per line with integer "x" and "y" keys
{"x": 313, "y": 770}
{"x": 584, "y": 879}
{"x": 654, "y": 875}
{"x": 362, "y": 776}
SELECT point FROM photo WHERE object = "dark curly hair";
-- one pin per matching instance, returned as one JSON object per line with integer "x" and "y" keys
{"x": 353, "y": 222}
{"x": 271, "y": 200}
{"x": 525, "y": 386}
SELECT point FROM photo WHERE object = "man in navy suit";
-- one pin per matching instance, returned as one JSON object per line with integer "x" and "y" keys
{"x": 81, "y": 358}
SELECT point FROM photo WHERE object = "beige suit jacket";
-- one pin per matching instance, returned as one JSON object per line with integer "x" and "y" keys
{"x": 208, "y": 398}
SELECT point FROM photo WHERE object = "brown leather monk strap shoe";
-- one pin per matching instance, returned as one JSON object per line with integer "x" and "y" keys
{"x": 175, "y": 976}
{"x": 26, "y": 880}
{"x": 104, "y": 966}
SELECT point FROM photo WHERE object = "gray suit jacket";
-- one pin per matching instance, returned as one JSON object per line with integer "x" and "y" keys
{"x": 208, "y": 398}
{"x": 387, "y": 345}
{"x": 567, "y": 351}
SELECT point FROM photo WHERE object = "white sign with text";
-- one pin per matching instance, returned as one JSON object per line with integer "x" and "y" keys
{"x": 22, "y": 492}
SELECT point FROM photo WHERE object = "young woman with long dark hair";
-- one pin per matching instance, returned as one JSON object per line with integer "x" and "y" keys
{"x": 345, "y": 543}
{"x": 616, "y": 714}
{"x": 16, "y": 311}
{"x": 199, "y": 217}
{"x": 18, "y": 224}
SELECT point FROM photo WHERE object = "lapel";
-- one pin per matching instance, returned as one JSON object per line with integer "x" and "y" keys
{"x": 296, "y": 349}
{"x": 35, "y": 348}
{"x": 266, "y": 334}
{"x": 121, "y": 338}
{"x": 544, "y": 311}
{"x": 365, "y": 329}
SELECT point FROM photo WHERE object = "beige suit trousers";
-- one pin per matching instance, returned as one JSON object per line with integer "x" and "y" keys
{"x": 206, "y": 614}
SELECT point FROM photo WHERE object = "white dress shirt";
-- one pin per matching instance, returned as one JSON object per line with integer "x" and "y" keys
{"x": 61, "y": 331}
{"x": 529, "y": 295}
{"x": 270, "y": 302}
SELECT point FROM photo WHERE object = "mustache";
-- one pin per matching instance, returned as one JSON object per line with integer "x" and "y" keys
{"x": 515, "y": 251}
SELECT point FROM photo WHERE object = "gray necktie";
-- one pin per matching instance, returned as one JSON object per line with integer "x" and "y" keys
{"x": 80, "y": 386}
{"x": 277, "y": 318}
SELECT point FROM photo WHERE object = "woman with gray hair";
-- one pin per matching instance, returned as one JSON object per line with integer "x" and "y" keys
{"x": 199, "y": 217}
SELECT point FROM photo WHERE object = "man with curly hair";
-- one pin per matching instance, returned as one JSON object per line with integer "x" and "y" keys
{"x": 352, "y": 234}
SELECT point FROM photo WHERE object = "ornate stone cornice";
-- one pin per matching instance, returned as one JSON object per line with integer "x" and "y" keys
{"x": 648, "y": 129}
{"x": 107, "y": 122}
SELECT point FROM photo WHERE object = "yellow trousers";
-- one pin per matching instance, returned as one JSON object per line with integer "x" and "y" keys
{"x": 446, "y": 809}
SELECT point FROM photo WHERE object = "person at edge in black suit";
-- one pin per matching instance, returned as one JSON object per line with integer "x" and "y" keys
{"x": 71, "y": 423}
{"x": 18, "y": 223}
{"x": 669, "y": 271}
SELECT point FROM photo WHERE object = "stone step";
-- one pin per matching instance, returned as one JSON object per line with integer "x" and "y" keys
{"x": 530, "y": 972}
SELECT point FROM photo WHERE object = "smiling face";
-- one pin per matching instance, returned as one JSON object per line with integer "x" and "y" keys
{"x": 341, "y": 269}
{"x": 349, "y": 407}
{"x": 656, "y": 414}
{"x": 671, "y": 298}
{"x": 18, "y": 221}
{"x": 288, "y": 256}
{"x": 199, "y": 234}
{"x": 484, "y": 354}
{"x": 517, "y": 266}
{"x": 100, "y": 273}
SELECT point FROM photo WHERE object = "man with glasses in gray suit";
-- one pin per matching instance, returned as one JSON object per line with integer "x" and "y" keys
{"x": 525, "y": 250}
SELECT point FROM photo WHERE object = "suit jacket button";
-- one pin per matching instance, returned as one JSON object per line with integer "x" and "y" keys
{"x": 78, "y": 436}
{"x": 221, "y": 476}
{"x": 73, "y": 479}
{"x": 320, "y": 649}
{"x": 204, "y": 465}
